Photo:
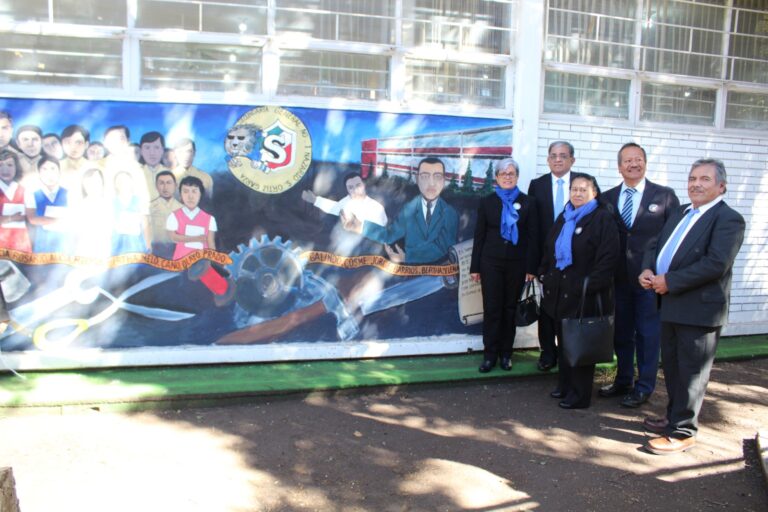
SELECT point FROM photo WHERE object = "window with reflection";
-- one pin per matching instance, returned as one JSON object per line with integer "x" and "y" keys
{"x": 455, "y": 83}
{"x": 474, "y": 25}
{"x": 747, "y": 110}
{"x": 83, "y": 12}
{"x": 200, "y": 67}
{"x": 365, "y": 21}
{"x": 51, "y": 60}
{"x": 569, "y": 93}
{"x": 224, "y": 16}
{"x": 334, "y": 75}
{"x": 678, "y": 104}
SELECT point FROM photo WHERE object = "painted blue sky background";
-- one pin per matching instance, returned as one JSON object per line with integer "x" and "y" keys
{"x": 336, "y": 134}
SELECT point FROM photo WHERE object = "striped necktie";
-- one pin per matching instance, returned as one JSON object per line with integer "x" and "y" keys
{"x": 429, "y": 212}
{"x": 626, "y": 211}
{"x": 665, "y": 258}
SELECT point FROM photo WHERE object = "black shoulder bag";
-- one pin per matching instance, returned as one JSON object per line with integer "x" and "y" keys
{"x": 588, "y": 341}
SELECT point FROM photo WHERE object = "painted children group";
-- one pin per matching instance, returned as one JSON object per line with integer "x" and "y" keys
{"x": 68, "y": 195}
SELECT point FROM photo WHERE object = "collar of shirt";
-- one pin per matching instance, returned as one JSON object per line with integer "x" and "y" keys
{"x": 190, "y": 213}
{"x": 424, "y": 206}
{"x": 9, "y": 189}
{"x": 639, "y": 188}
{"x": 50, "y": 194}
{"x": 703, "y": 208}
{"x": 566, "y": 179}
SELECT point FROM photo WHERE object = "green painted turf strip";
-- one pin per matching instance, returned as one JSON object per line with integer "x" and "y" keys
{"x": 212, "y": 382}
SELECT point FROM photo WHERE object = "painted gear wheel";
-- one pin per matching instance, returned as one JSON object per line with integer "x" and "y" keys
{"x": 269, "y": 276}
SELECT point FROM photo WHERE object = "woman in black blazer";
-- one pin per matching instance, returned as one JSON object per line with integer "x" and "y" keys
{"x": 584, "y": 242}
{"x": 504, "y": 256}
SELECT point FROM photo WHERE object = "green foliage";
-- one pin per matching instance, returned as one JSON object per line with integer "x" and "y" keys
{"x": 466, "y": 185}
{"x": 487, "y": 187}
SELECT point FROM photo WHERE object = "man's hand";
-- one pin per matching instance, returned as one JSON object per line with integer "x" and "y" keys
{"x": 351, "y": 223}
{"x": 474, "y": 276}
{"x": 529, "y": 277}
{"x": 645, "y": 279}
{"x": 395, "y": 253}
{"x": 660, "y": 284}
{"x": 308, "y": 196}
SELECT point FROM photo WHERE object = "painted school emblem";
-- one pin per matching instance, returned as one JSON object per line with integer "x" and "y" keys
{"x": 268, "y": 149}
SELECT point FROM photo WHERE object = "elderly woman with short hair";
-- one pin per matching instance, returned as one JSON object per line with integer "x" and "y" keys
{"x": 504, "y": 256}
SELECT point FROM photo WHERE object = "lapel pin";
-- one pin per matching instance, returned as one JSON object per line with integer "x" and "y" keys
{"x": 516, "y": 206}
{"x": 653, "y": 207}
{"x": 578, "y": 231}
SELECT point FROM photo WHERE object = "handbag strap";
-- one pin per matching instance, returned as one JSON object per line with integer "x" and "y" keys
{"x": 529, "y": 289}
{"x": 583, "y": 298}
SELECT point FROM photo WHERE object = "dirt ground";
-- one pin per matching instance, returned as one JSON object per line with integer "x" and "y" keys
{"x": 484, "y": 446}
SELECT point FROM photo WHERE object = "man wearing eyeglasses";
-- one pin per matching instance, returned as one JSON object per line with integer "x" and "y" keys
{"x": 550, "y": 192}
{"x": 427, "y": 223}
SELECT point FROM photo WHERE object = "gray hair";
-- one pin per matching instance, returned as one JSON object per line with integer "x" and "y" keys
{"x": 565, "y": 143}
{"x": 720, "y": 175}
{"x": 501, "y": 165}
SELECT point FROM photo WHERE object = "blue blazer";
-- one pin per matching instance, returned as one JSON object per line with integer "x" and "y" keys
{"x": 422, "y": 244}
{"x": 699, "y": 276}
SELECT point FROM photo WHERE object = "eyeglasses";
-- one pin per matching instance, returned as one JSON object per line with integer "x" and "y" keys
{"x": 436, "y": 177}
{"x": 506, "y": 175}
{"x": 559, "y": 156}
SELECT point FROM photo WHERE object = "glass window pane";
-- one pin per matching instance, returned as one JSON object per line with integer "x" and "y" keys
{"x": 365, "y": 21}
{"x": 334, "y": 74}
{"x": 593, "y": 39}
{"x": 568, "y": 93}
{"x": 200, "y": 67}
{"x": 748, "y": 47}
{"x": 678, "y": 104}
{"x": 51, "y": 60}
{"x": 747, "y": 110}
{"x": 614, "y": 8}
{"x": 24, "y": 10}
{"x": 477, "y": 25}
{"x": 230, "y": 17}
{"x": 454, "y": 82}
{"x": 682, "y": 63}
{"x": 90, "y": 12}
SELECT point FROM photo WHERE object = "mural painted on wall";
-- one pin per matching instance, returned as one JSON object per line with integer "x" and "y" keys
{"x": 167, "y": 225}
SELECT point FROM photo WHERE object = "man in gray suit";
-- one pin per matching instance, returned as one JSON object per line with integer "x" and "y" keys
{"x": 690, "y": 268}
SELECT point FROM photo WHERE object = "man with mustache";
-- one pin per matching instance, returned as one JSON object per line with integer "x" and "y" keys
{"x": 690, "y": 269}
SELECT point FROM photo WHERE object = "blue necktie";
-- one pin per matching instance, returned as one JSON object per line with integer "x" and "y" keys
{"x": 429, "y": 212}
{"x": 626, "y": 211}
{"x": 559, "y": 197}
{"x": 669, "y": 251}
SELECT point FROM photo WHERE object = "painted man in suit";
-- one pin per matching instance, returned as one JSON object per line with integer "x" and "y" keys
{"x": 551, "y": 192}
{"x": 427, "y": 223}
{"x": 640, "y": 208}
{"x": 690, "y": 268}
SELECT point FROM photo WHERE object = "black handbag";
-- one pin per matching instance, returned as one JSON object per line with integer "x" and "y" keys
{"x": 588, "y": 341}
{"x": 527, "y": 310}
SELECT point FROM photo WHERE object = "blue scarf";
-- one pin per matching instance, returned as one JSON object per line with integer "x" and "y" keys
{"x": 563, "y": 251}
{"x": 509, "y": 214}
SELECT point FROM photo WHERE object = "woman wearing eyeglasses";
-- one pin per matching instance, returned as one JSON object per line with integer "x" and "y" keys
{"x": 583, "y": 242}
{"x": 504, "y": 256}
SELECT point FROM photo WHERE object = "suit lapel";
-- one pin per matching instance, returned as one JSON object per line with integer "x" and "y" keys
{"x": 703, "y": 225}
{"x": 649, "y": 195}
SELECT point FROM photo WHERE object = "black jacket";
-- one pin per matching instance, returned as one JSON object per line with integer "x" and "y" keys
{"x": 488, "y": 242}
{"x": 656, "y": 206}
{"x": 595, "y": 253}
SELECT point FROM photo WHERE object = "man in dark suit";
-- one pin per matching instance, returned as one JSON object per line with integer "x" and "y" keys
{"x": 690, "y": 268}
{"x": 428, "y": 224}
{"x": 640, "y": 209}
{"x": 550, "y": 193}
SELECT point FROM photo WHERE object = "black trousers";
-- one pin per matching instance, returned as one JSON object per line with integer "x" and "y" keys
{"x": 547, "y": 329}
{"x": 502, "y": 281}
{"x": 687, "y": 353}
{"x": 575, "y": 382}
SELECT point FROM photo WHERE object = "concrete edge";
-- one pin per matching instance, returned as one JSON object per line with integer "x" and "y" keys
{"x": 762, "y": 451}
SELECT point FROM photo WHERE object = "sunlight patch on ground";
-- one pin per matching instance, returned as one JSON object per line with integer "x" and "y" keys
{"x": 469, "y": 487}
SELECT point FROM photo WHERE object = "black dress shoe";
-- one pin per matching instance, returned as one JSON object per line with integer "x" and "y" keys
{"x": 544, "y": 367}
{"x": 568, "y": 405}
{"x": 486, "y": 366}
{"x": 506, "y": 364}
{"x": 613, "y": 390}
{"x": 557, "y": 394}
{"x": 635, "y": 399}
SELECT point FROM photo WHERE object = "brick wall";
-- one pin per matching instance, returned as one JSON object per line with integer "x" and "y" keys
{"x": 670, "y": 155}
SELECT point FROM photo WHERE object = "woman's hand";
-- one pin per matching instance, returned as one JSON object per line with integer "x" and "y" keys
{"x": 474, "y": 276}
